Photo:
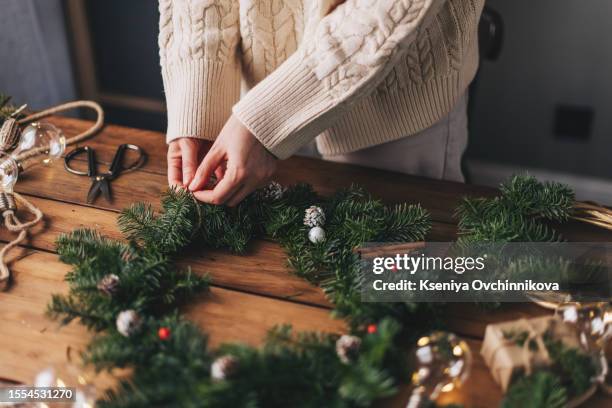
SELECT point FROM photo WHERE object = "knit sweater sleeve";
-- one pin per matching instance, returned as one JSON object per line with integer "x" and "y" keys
{"x": 351, "y": 51}
{"x": 200, "y": 71}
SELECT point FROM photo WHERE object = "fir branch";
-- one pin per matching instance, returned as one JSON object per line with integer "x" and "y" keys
{"x": 539, "y": 390}
{"x": 518, "y": 214}
{"x": 576, "y": 368}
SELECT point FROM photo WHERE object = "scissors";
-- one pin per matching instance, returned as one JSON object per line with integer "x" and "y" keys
{"x": 100, "y": 182}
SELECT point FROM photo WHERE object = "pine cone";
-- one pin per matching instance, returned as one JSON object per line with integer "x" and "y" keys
{"x": 347, "y": 348}
{"x": 224, "y": 367}
{"x": 108, "y": 284}
{"x": 128, "y": 322}
{"x": 273, "y": 191}
{"x": 314, "y": 217}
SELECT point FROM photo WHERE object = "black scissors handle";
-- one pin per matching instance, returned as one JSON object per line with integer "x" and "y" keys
{"x": 92, "y": 167}
{"x": 101, "y": 181}
{"x": 91, "y": 161}
{"x": 117, "y": 163}
{"x": 116, "y": 166}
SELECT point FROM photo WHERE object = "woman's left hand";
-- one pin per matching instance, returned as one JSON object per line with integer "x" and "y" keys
{"x": 243, "y": 162}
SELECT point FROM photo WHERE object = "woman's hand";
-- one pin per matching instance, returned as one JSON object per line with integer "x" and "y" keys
{"x": 240, "y": 162}
{"x": 184, "y": 155}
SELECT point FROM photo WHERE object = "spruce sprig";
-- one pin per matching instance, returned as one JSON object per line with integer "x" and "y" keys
{"x": 519, "y": 214}
{"x": 148, "y": 281}
{"x": 541, "y": 389}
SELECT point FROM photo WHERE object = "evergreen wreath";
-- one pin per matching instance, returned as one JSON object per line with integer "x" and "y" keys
{"x": 291, "y": 369}
{"x": 170, "y": 361}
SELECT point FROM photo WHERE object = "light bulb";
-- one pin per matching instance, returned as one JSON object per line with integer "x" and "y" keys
{"x": 442, "y": 362}
{"x": 592, "y": 324}
{"x": 77, "y": 382}
{"x": 591, "y": 321}
{"x": 39, "y": 143}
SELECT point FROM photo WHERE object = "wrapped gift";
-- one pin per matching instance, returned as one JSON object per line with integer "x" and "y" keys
{"x": 517, "y": 347}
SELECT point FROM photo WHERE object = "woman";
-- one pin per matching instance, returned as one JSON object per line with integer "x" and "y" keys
{"x": 376, "y": 82}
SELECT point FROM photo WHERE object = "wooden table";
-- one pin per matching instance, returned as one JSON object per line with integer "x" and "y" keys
{"x": 250, "y": 293}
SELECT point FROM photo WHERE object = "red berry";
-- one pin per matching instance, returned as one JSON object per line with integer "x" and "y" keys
{"x": 372, "y": 328}
{"x": 163, "y": 333}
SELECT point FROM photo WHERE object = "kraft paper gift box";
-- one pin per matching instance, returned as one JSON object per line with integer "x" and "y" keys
{"x": 516, "y": 347}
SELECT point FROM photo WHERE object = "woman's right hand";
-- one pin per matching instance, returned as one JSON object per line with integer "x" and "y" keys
{"x": 184, "y": 157}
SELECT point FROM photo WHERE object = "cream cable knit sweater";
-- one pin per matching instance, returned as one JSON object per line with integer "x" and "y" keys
{"x": 356, "y": 75}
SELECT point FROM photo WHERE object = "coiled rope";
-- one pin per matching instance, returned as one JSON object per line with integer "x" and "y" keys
{"x": 10, "y": 202}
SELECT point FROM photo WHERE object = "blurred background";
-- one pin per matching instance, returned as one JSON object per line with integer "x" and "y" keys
{"x": 538, "y": 104}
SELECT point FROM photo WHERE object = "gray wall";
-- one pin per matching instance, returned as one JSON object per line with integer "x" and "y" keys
{"x": 34, "y": 57}
{"x": 555, "y": 51}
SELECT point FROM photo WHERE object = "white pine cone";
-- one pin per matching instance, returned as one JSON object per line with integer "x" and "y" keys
{"x": 223, "y": 367}
{"x": 273, "y": 191}
{"x": 128, "y": 322}
{"x": 108, "y": 284}
{"x": 314, "y": 217}
{"x": 347, "y": 348}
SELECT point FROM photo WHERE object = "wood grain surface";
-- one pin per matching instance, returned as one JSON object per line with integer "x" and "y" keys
{"x": 250, "y": 293}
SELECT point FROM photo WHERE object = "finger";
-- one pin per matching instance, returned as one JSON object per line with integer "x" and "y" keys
{"x": 222, "y": 191}
{"x": 211, "y": 162}
{"x": 220, "y": 171}
{"x": 190, "y": 160}
{"x": 174, "y": 170}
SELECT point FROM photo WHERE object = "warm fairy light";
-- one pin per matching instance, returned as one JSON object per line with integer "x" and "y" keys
{"x": 442, "y": 363}
{"x": 39, "y": 142}
{"x": 71, "y": 376}
{"x": 448, "y": 387}
{"x": 423, "y": 341}
{"x": 591, "y": 322}
{"x": 456, "y": 369}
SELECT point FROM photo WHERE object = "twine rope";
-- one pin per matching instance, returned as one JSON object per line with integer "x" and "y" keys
{"x": 11, "y": 221}
{"x": 593, "y": 213}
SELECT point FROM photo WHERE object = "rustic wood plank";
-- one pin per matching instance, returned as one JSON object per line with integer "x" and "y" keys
{"x": 226, "y": 315}
{"x": 54, "y": 182}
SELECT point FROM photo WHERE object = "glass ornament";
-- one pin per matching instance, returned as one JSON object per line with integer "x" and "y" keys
{"x": 68, "y": 376}
{"x": 591, "y": 321}
{"x": 442, "y": 363}
{"x": 39, "y": 143}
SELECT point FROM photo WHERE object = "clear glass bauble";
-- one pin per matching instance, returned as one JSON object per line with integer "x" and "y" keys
{"x": 442, "y": 362}
{"x": 75, "y": 380}
{"x": 39, "y": 142}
